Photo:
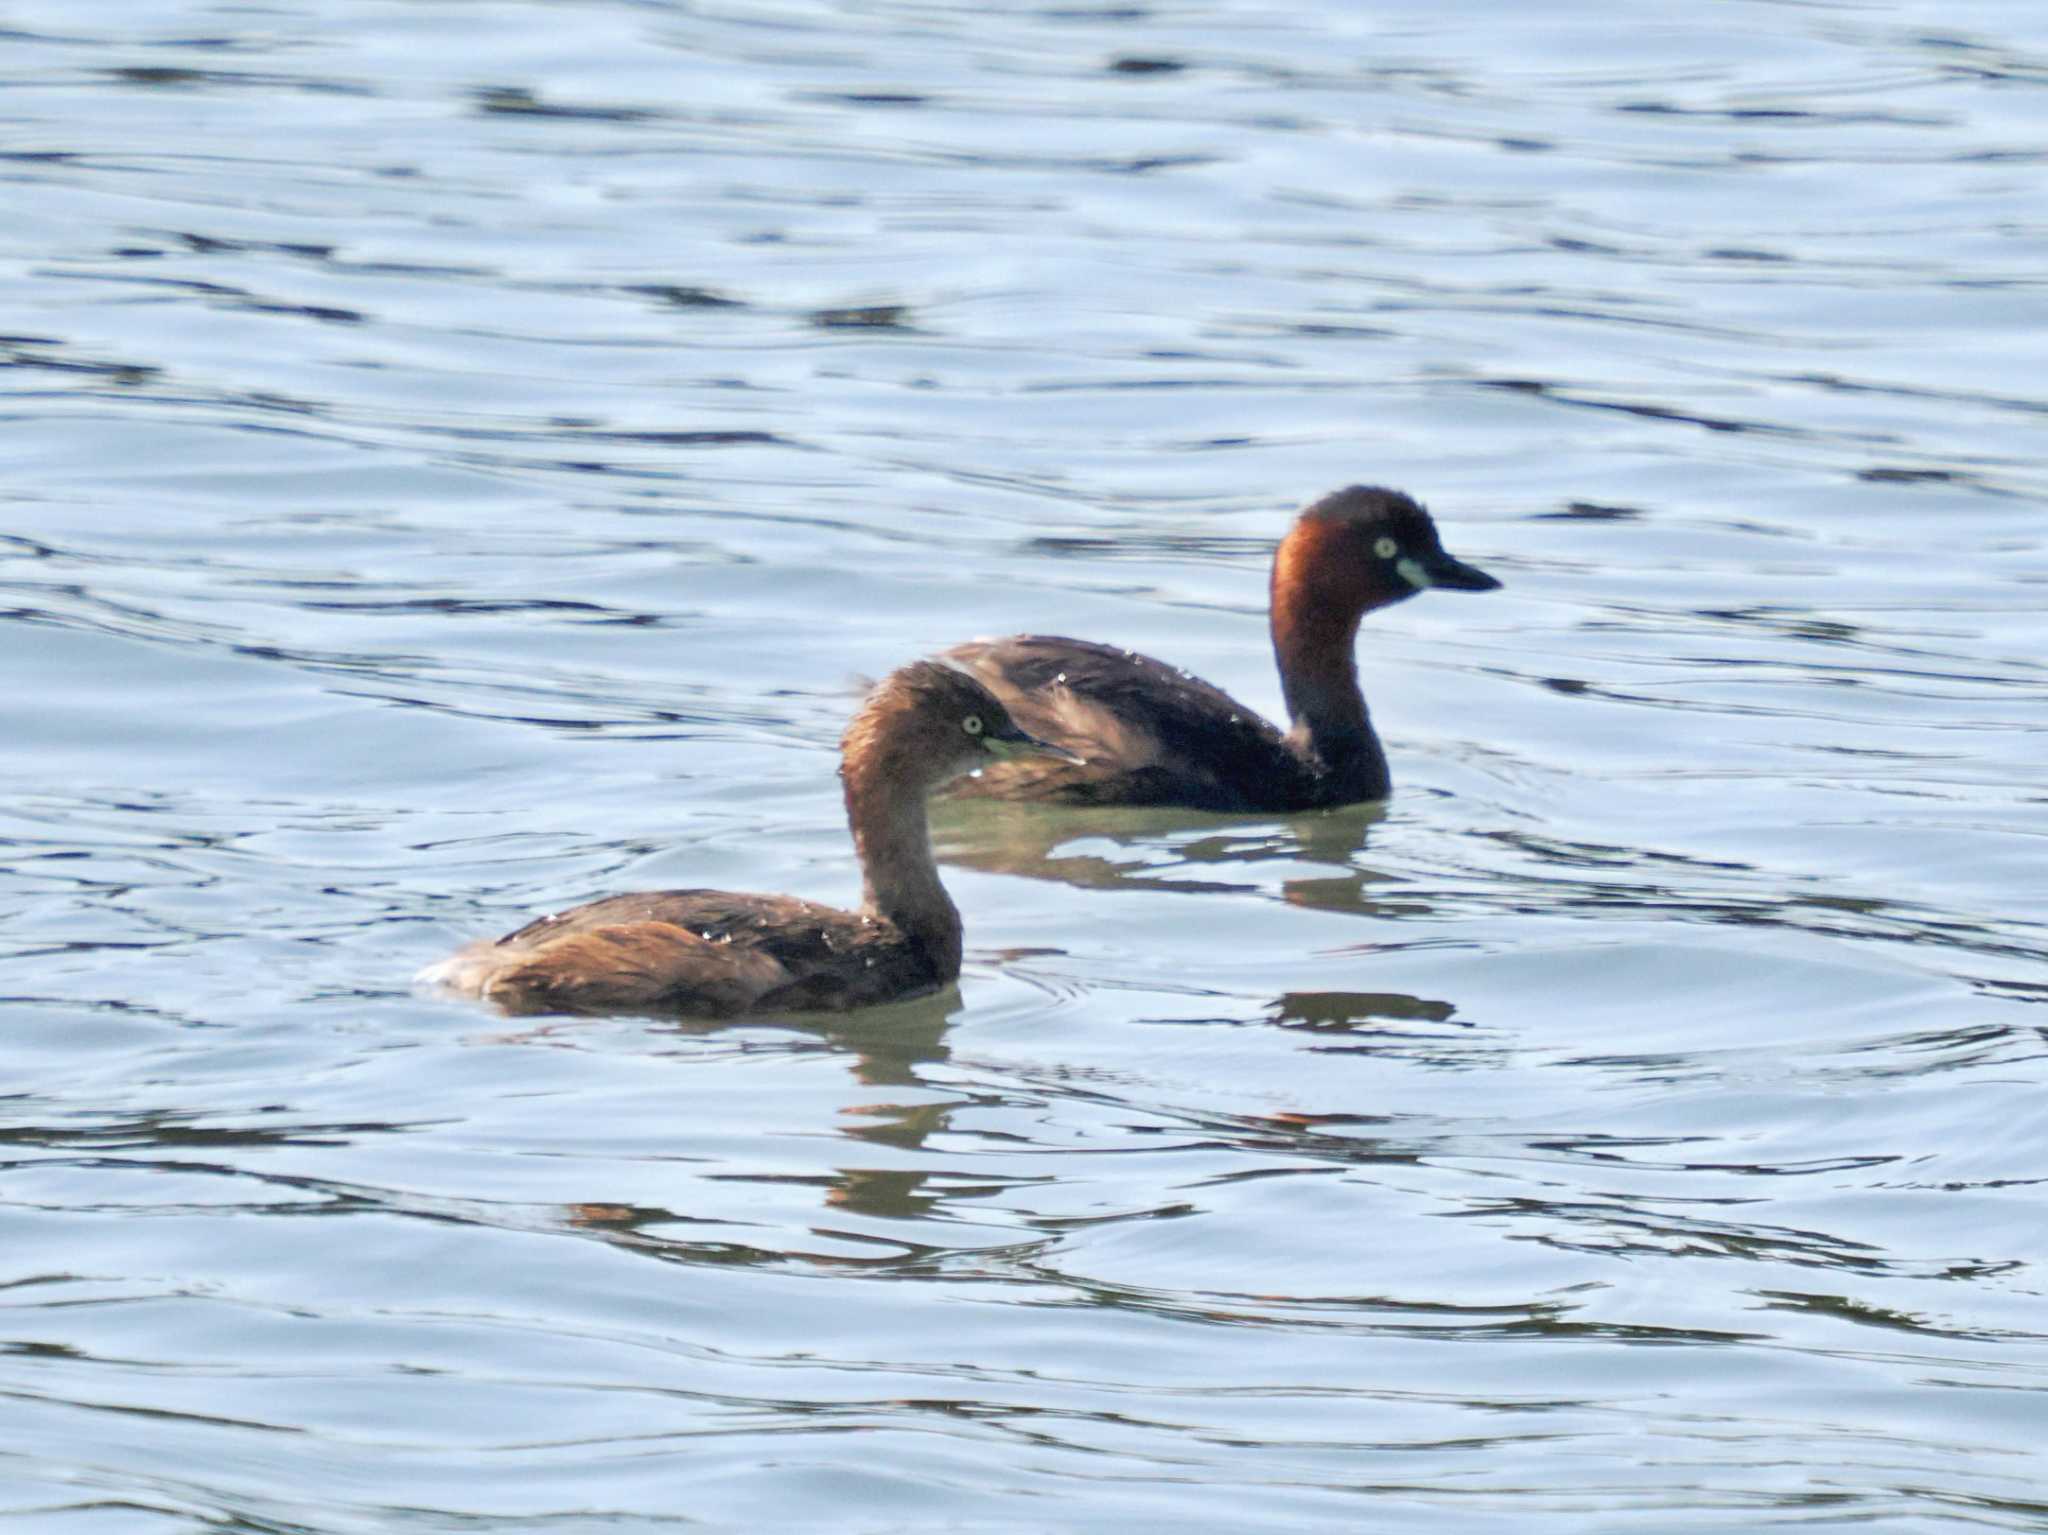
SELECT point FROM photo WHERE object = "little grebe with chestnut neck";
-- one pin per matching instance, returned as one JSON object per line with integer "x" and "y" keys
{"x": 1146, "y": 733}
{"x": 716, "y": 954}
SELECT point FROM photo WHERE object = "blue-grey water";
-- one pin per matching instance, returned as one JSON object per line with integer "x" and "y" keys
{"x": 460, "y": 458}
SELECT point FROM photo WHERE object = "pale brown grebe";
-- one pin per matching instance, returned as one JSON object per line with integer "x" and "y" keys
{"x": 1148, "y": 734}
{"x": 716, "y": 954}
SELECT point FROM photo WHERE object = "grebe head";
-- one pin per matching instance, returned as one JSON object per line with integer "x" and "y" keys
{"x": 1370, "y": 546}
{"x": 927, "y": 722}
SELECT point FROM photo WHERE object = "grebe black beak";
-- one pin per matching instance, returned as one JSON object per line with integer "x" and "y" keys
{"x": 1440, "y": 569}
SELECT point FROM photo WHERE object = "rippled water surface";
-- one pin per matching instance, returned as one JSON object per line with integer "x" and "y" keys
{"x": 460, "y": 458}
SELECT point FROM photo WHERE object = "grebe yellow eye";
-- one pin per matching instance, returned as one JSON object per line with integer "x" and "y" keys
{"x": 972, "y": 724}
{"x": 1386, "y": 548}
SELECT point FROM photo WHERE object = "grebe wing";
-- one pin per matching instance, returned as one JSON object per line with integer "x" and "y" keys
{"x": 623, "y": 967}
{"x": 721, "y": 915}
{"x": 1151, "y": 732}
{"x": 704, "y": 953}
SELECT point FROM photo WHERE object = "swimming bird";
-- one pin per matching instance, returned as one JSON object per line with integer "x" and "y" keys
{"x": 718, "y": 954}
{"x": 1151, "y": 734}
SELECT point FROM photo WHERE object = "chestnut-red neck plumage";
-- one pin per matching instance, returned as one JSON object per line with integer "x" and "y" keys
{"x": 1318, "y": 598}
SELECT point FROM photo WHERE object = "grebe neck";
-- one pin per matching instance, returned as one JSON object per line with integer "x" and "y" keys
{"x": 885, "y": 806}
{"x": 1314, "y": 640}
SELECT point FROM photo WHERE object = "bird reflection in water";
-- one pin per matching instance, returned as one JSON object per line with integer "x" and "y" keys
{"x": 1171, "y": 849}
